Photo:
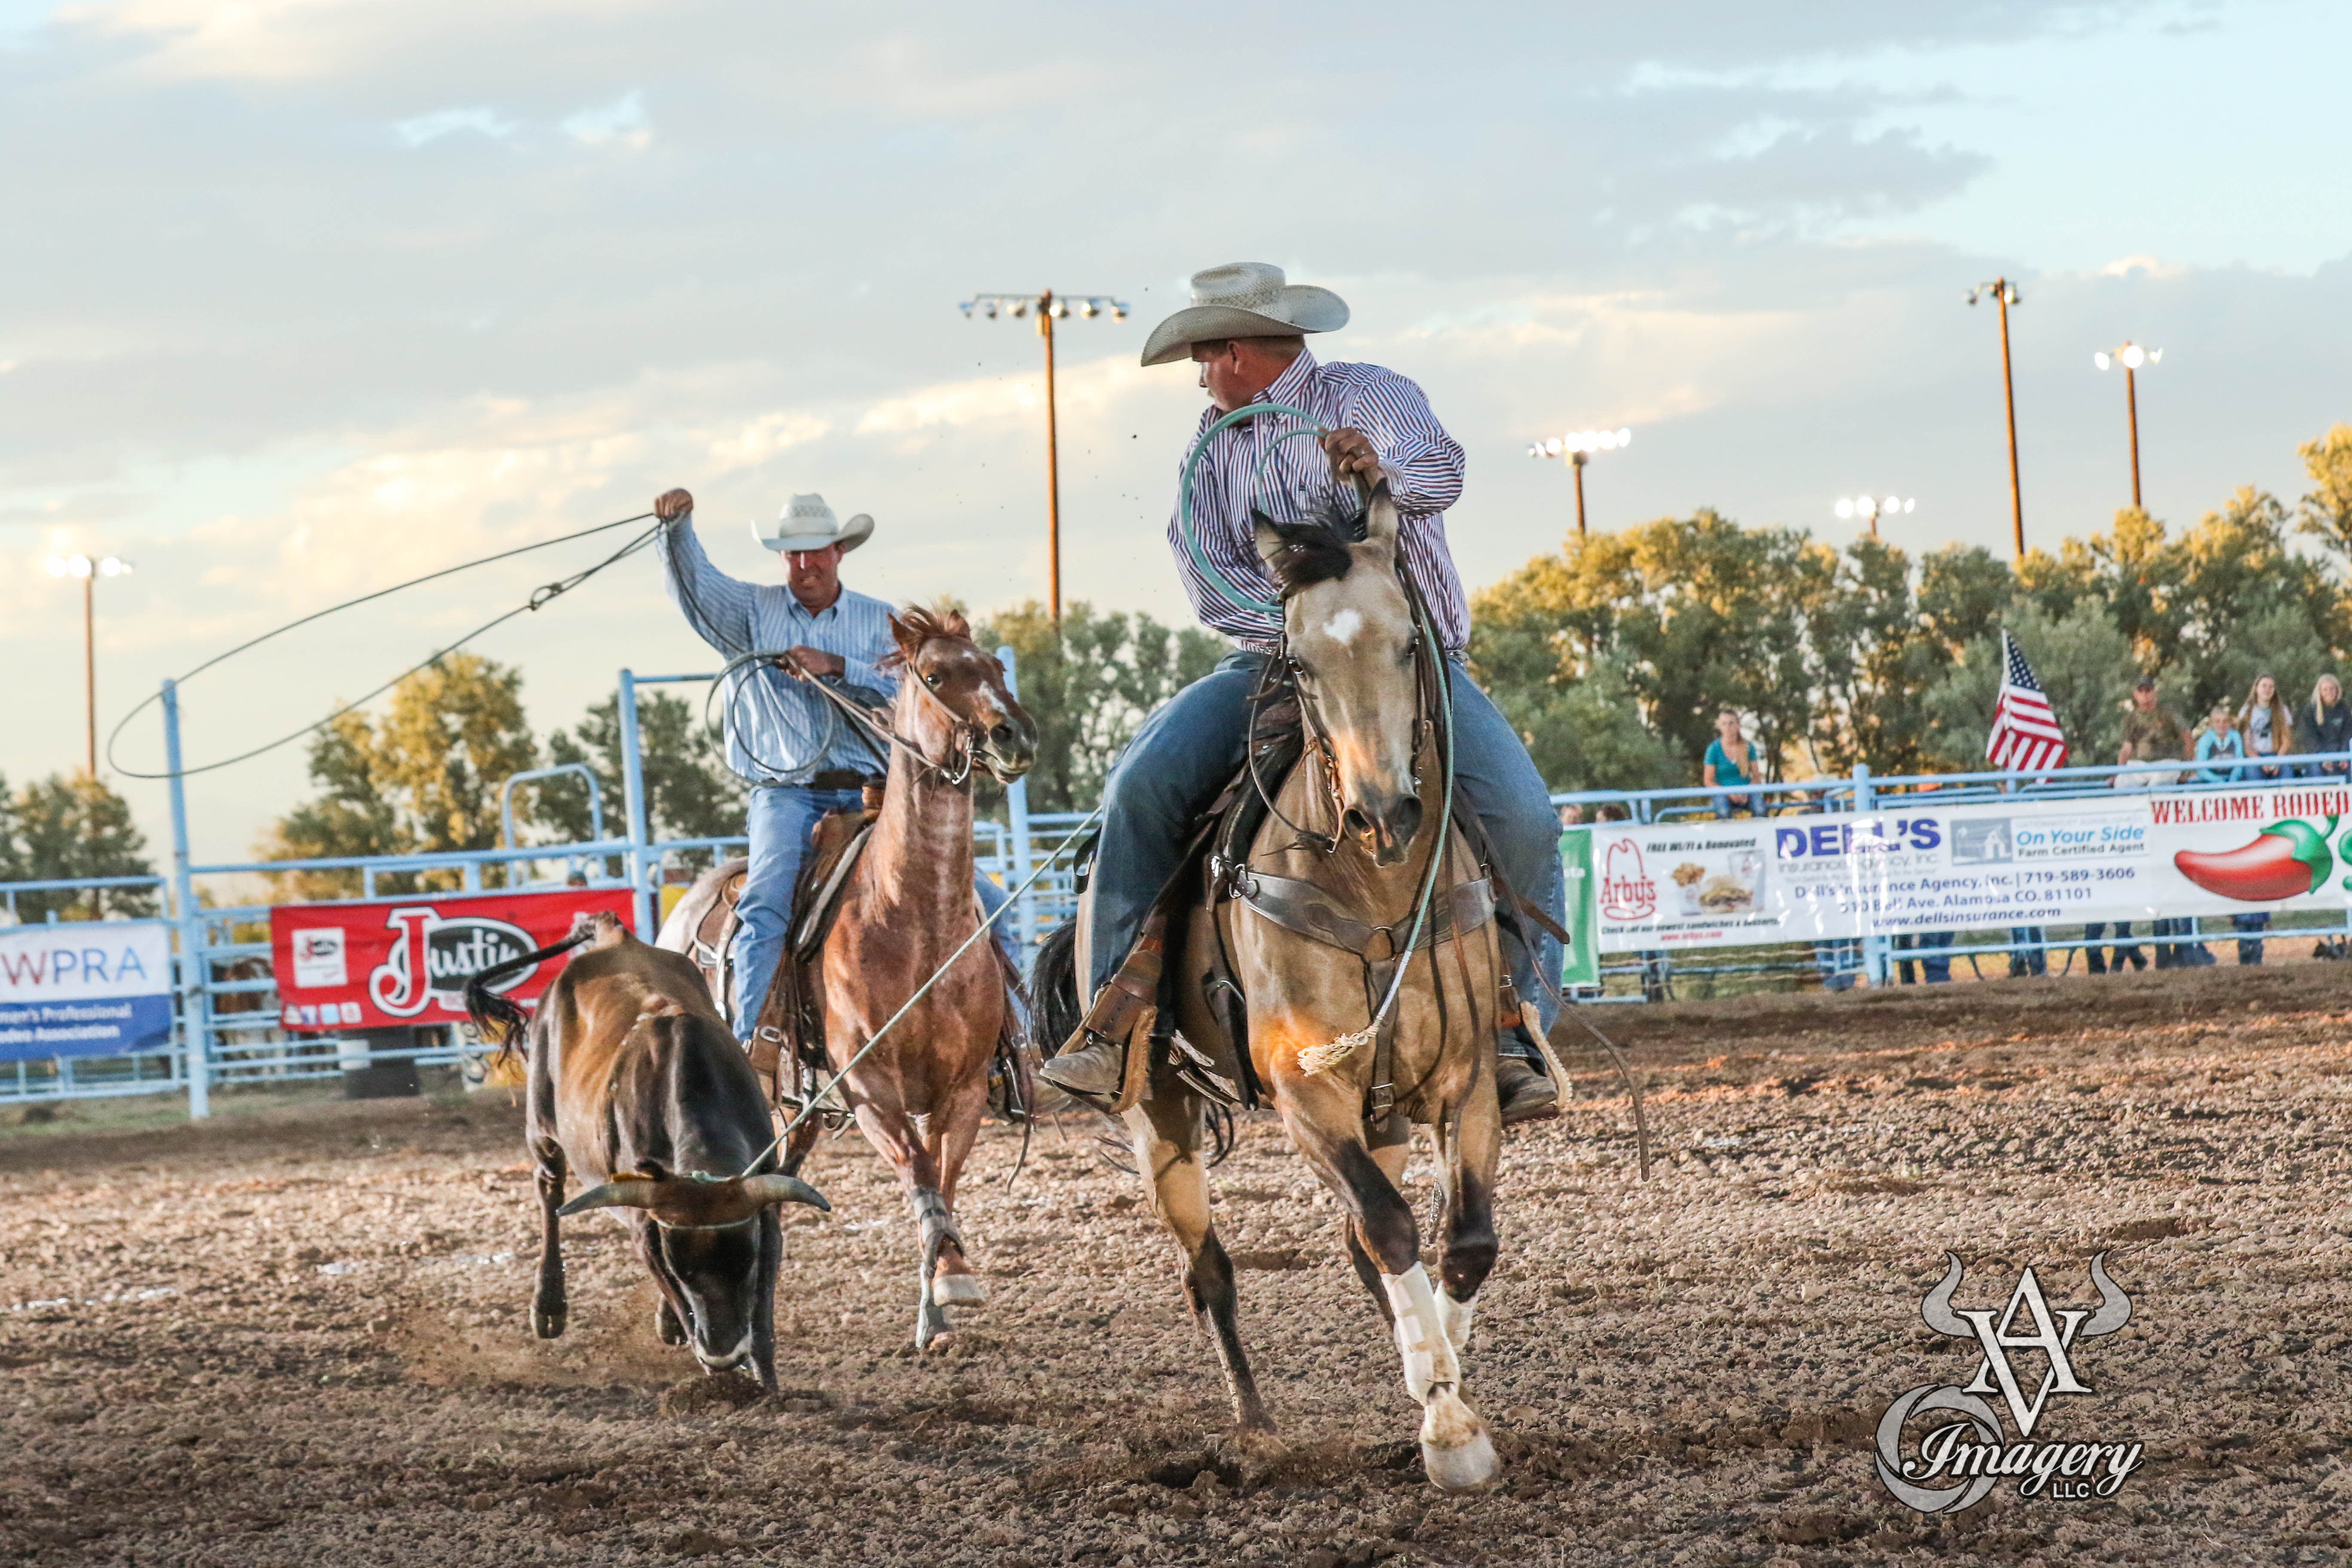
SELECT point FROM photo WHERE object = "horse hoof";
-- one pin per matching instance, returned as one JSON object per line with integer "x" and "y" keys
{"x": 666, "y": 1328}
{"x": 959, "y": 1291}
{"x": 1454, "y": 1447}
{"x": 547, "y": 1325}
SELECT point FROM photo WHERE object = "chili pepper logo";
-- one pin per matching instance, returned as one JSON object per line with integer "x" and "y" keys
{"x": 2287, "y": 858}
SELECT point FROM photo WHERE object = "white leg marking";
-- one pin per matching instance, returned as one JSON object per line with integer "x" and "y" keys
{"x": 1455, "y": 1317}
{"x": 1454, "y": 1447}
{"x": 1420, "y": 1332}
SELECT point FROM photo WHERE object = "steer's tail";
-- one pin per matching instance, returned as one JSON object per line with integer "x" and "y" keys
{"x": 1054, "y": 988}
{"x": 486, "y": 1007}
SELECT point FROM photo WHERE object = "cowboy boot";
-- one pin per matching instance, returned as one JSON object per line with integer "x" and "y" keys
{"x": 1527, "y": 1094}
{"x": 1094, "y": 1072}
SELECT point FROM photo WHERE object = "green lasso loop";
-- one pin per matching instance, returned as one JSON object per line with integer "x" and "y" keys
{"x": 1239, "y": 595}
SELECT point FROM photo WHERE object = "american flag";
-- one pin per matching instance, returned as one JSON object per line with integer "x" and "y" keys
{"x": 2025, "y": 734}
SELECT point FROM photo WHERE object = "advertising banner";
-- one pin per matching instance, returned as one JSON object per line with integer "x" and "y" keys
{"x": 405, "y": 961}
{"x": 99, "y": 990}
{"x": 2129, "y": 855}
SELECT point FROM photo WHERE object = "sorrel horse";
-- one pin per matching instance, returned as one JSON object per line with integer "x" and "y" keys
{"x": 919, "y": 1094}
{"x": 1352, "y": 826}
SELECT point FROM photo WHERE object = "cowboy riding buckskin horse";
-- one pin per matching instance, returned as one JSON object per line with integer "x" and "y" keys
{"x": 1335, "y": 941}
{"x": 1246, "y": 328}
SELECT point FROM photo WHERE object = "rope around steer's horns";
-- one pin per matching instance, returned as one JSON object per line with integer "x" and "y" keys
{"x": 922, "y": 991}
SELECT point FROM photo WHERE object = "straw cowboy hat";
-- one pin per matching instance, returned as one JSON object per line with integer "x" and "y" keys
{"x": 807, "y": 523}
{"x": 1244, "y": 300}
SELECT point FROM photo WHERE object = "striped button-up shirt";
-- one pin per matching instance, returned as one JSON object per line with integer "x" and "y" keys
{"x": 778, "y": 730}
{"x": 1425, "y": 466}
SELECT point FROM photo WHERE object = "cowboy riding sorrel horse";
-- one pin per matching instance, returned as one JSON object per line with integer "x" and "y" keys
{"x": 1311, "y": 917}
{"x": 904, "y": 909}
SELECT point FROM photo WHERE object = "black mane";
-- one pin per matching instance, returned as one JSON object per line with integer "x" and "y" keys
{"x": 1313, "y": 551}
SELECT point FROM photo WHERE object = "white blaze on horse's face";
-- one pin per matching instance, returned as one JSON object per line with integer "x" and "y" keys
{"x": 1352, "y": 634}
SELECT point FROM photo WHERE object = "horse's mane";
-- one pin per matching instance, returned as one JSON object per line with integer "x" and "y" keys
{"x": 916, "y": 624}
{"x": 1314, "y": 550}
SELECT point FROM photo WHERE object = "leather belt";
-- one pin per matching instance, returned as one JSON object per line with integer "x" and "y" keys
{"x": 842, "y": 778}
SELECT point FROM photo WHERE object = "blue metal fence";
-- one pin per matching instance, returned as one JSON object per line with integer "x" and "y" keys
{"x": 226, "y": 1007}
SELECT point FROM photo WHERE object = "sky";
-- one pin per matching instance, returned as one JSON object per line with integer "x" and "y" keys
{"x": 304, "y": 297}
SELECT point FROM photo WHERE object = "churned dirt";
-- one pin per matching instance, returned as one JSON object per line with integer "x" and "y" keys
{"x": 300, "y": 1336}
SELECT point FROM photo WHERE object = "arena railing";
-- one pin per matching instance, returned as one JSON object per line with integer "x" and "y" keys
{"x": 227, "y": 1025}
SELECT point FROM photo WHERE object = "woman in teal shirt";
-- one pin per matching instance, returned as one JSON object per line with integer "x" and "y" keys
{"x": 1730, "y": 759}
{"x": 2220, "y": 739}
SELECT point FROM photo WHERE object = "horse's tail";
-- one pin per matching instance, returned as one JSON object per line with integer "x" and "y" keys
{"x": 486, "y": 1007}
{"x": 1054, "y": 988}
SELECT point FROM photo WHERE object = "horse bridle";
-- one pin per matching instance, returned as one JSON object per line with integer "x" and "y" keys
{"x": 964, "y": 735}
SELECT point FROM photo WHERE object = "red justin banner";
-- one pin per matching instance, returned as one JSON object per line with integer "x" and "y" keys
{"x": 407, "y": 960}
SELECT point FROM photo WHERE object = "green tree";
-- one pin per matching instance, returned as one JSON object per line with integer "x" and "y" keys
{"x": 71, "y": 825}
{"x": 1089, "y": 684}
{"x": 2327, "y": 510}
{"x": 690, "y": 793}
{"x": 424, "y": 777}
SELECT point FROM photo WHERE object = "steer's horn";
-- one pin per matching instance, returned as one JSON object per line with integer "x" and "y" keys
{"x": 779, "y": 1189}
{"x": 1936, "y": 1309}
{"x": 621, "y": 1191}
{"x": 2115, "y": 1307}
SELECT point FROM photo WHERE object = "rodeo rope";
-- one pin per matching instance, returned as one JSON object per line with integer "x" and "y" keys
{"x": 947, "y": 964}
{"x": 544, "y": 595}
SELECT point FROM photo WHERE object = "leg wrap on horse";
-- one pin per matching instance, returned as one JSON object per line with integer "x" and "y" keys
{"x": 1421, "y": 1334}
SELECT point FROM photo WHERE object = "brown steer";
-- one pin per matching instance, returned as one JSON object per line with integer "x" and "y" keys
{"x": 638, "y": 1084}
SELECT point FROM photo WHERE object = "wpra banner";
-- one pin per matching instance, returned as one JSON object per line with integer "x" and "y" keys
{"x": 407, "y": 960}
{"x": 99, "y": 990}
{"x": 2128, "y": 855}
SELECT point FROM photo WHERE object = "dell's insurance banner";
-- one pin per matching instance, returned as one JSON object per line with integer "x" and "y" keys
{"x": 407, "y": 960}
{"x": 2127, "y": 855}
{"x": 99, "y": 990}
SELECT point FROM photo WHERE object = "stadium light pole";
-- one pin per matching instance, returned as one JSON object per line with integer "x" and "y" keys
{"x": 1578, "y": 448}
{"x": 90, "y": 572}
{"x": 2131, "y": 356}
{"x": 1050, "y": 308}
{"x": 2004, "y": 294}
{"x": 1873, "y": 507}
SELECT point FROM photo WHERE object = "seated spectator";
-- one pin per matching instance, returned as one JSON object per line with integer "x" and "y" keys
{"x": 1731, "y": 759}
{"x": 2266, "y": 726}
{"x": 1572, "y": 815}
{"x": 2325, "y": 727}
{"x": 2218, "y": 740}
{"x": 2152, "y": 733}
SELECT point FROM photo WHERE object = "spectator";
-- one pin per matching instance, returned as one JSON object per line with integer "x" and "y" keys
{"x": 2325, "y": 727}
{"x": 1935, "y": 950}
{"x": 2219, "y": 739}
{"x": 2266, "y": 726}
{"x": 2153, "y": 732}
{"x": 1572, "y": 815}
{"x": 1731, "y": 759}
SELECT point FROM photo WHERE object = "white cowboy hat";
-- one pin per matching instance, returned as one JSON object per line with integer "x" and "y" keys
{"x": 1244, "y": 300}
{"x": 807, "y": 523}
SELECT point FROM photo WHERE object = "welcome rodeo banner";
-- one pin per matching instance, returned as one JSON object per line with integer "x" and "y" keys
{"x": 2127, "y": 855}
{"x": 405, "y": 961}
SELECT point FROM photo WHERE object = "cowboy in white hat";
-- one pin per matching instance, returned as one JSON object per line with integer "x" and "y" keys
{"x": 1248, "y": 329}
{"x": 800, "y": 758}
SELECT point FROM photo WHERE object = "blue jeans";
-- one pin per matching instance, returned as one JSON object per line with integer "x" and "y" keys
{"x": 1187, "y": 751}
{"x": 1934, "y": 971}
{"x": 2250, "y": 942}
{"x": 782, "y": 817}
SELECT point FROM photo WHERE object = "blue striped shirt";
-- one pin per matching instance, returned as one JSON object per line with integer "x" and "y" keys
{"x": 1425, "y": 464}
{"x": 777, "y": 729}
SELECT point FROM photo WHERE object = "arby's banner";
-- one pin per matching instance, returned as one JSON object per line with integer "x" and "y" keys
{"x": 390, "y": 962}
{"x": 2124, "y": 855}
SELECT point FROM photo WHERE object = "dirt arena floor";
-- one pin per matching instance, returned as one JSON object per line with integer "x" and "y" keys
{"x": 299, "y": 1335}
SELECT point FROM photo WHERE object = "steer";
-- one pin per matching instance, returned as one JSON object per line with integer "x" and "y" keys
{"x": 636, "y": 1083}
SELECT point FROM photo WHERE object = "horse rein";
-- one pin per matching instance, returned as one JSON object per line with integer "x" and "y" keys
{"x": 964, "y": 734}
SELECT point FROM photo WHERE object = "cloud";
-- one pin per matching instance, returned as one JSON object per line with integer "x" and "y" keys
{"x": 425, "y": 128}
{"x": 621, "y": 123}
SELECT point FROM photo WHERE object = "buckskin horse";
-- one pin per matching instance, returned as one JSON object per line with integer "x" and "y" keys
{"x": 1311, "y": 917}
{"x": 636, "y": 1082}
{"x": 905, "y": 908}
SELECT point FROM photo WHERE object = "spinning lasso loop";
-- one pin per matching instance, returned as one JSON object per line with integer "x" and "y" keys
{"x": 545, "y": 593}
{"x": 817, "y": 1098}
